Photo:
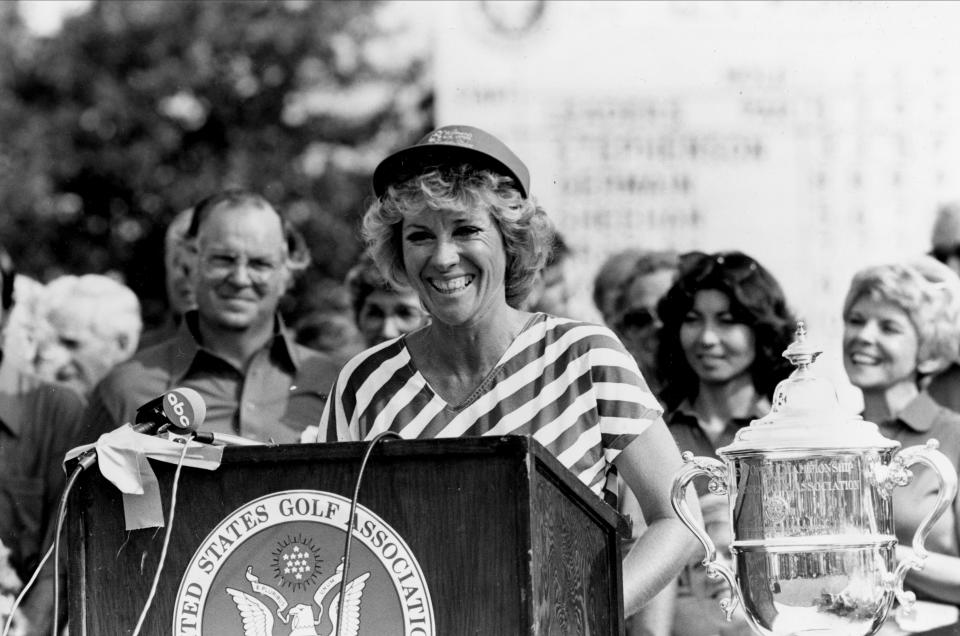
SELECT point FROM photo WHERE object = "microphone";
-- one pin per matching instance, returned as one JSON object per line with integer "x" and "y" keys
{"x": 224, "y": 439}
{"x": 180, "y": 411}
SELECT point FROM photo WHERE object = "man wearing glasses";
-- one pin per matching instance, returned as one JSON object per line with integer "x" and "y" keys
{"x": 233, "y": 349}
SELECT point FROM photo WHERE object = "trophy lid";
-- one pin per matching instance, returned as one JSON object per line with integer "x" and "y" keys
{"x": 806, "y": 414}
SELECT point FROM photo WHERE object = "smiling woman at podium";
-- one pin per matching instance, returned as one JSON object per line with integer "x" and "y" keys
{"x": 454, "y": 221}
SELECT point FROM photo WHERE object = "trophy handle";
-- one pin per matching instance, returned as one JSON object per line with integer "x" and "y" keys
{"x": 717, "y": 472}
{"x": 897, "y": 474}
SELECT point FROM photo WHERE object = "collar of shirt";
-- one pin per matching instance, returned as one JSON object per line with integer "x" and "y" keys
{"x": 684, "y": 414}
{"x": 757, "y": 410}
{"x": 187, "y": 346}
{"x": 919, "y": 415}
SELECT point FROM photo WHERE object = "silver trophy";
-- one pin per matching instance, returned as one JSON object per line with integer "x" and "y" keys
{"x": 809, "y": 501}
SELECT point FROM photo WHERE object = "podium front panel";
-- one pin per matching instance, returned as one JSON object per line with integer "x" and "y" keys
{"x": 508, "y": 542}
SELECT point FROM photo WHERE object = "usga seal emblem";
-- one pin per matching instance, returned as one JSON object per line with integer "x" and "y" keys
{"x": 274, "y": 567}
{"x": 775, "y": 509}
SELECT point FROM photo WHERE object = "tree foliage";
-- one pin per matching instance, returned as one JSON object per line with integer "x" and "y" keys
{"x": 136, "y": 110}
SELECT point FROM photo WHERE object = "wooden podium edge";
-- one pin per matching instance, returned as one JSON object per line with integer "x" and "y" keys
{"x": 541, "y": 464}
{"x": 490, "y": 445}
{"x": 563, "y": 478}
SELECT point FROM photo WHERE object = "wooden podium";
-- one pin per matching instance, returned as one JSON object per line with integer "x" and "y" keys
{"x": 508, "y": 541}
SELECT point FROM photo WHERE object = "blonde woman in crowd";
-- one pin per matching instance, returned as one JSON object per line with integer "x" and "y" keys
{"x": 901, "y": 322}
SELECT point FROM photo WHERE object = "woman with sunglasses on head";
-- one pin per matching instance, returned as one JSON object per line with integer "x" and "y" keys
{"x": 725, "y": 325}
{"x": 901, "y": 322}
{"x": 633, "y": 316}
{"x": 455, "y": 222}
{"x": 636, "y": 322}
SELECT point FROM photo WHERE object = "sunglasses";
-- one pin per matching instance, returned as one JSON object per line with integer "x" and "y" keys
{"x": 945, "y": 253}
{"x": 735, "y": 265}
{"x": 639, "y": 318}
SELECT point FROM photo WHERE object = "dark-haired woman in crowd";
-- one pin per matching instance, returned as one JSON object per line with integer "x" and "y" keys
{"x": 725, "y": 327}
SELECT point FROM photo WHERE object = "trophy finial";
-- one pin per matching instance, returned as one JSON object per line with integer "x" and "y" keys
{"x": 802, "y": 395}
{"x": 801, "y": 353}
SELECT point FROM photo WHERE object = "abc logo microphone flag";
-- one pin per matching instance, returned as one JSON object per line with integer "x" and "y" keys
{"x": 184, "y": 408}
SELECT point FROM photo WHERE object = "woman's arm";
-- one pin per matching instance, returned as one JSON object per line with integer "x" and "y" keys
{"x": 656, "y": 617}
{"x": 940, "y": 577}
{"x": 648, "y": 466}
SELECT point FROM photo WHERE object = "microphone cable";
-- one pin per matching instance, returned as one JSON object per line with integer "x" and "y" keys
{"x": 166, "y": 538}
{"x": 197, "y": 414}
{"x": 52, "y": 550}
{"x": 61, "y": 517}
{"x": 23, "y": 592}
{"x": 353, "y": 510}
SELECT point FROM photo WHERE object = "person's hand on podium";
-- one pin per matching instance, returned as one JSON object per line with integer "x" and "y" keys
{"x": 310, "y": 435}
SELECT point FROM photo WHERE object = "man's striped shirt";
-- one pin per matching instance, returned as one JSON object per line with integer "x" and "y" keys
{"x": 570, "y": 385}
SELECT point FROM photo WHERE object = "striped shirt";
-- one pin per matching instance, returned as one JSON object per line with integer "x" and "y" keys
{"x": 570, "y": 385}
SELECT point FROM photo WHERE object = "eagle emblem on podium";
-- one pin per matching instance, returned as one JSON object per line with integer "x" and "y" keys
{"x": 273, "y": 567}
{"x": 258, "y": 618}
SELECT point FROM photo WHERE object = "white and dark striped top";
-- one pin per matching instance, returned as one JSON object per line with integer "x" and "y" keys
{"x": 571, "y": 385}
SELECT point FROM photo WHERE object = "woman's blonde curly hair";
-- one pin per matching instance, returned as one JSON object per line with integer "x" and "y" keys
{"x": 927, "y": 290}
{"x": 526, "y": 229}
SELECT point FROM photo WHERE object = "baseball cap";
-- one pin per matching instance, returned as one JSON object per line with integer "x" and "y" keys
{"x": 452, "y": 145}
